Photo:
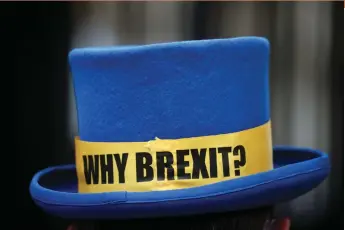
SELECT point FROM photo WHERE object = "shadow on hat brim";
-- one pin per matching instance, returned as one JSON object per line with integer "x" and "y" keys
{"x": 296, "y": 171}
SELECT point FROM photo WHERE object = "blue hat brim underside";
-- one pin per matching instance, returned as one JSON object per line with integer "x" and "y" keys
{"x": 296, "y": 171}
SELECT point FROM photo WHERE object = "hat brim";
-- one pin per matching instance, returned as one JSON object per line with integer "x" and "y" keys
{"x": 296, "y": 171}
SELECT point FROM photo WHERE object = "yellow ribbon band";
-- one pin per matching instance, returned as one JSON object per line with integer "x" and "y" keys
{"x": 160, "y": 165}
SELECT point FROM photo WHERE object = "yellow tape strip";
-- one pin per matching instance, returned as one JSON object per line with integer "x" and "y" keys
{"x": 172, "y": 164}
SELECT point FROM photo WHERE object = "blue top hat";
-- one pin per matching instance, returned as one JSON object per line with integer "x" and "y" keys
{"x": 175, "y": 129}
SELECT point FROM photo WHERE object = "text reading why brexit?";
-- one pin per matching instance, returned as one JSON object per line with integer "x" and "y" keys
{"x": 203, "y": 164}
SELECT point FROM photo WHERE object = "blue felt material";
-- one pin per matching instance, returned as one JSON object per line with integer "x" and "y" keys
{"x": 172, "y": 90}
{"x": 300, "y": 170}
{"x": 175, "y": 90}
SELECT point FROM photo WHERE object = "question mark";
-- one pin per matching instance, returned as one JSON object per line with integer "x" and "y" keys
{"x": 239, "y": 150}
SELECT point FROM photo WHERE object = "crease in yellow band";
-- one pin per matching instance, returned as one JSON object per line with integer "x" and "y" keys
{"x": 159, "y": 165}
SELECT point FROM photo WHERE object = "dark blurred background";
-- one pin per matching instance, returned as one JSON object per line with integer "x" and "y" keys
{"x": 306, "y": 79}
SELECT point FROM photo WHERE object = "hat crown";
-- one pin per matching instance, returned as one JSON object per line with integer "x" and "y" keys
{"x": 171, "y": 90}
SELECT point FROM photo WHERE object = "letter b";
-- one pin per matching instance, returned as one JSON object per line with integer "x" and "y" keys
{"x": 143, "y": 163}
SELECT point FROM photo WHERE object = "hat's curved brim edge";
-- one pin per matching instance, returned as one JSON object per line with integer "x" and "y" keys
{"x": 297, "y": 171}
